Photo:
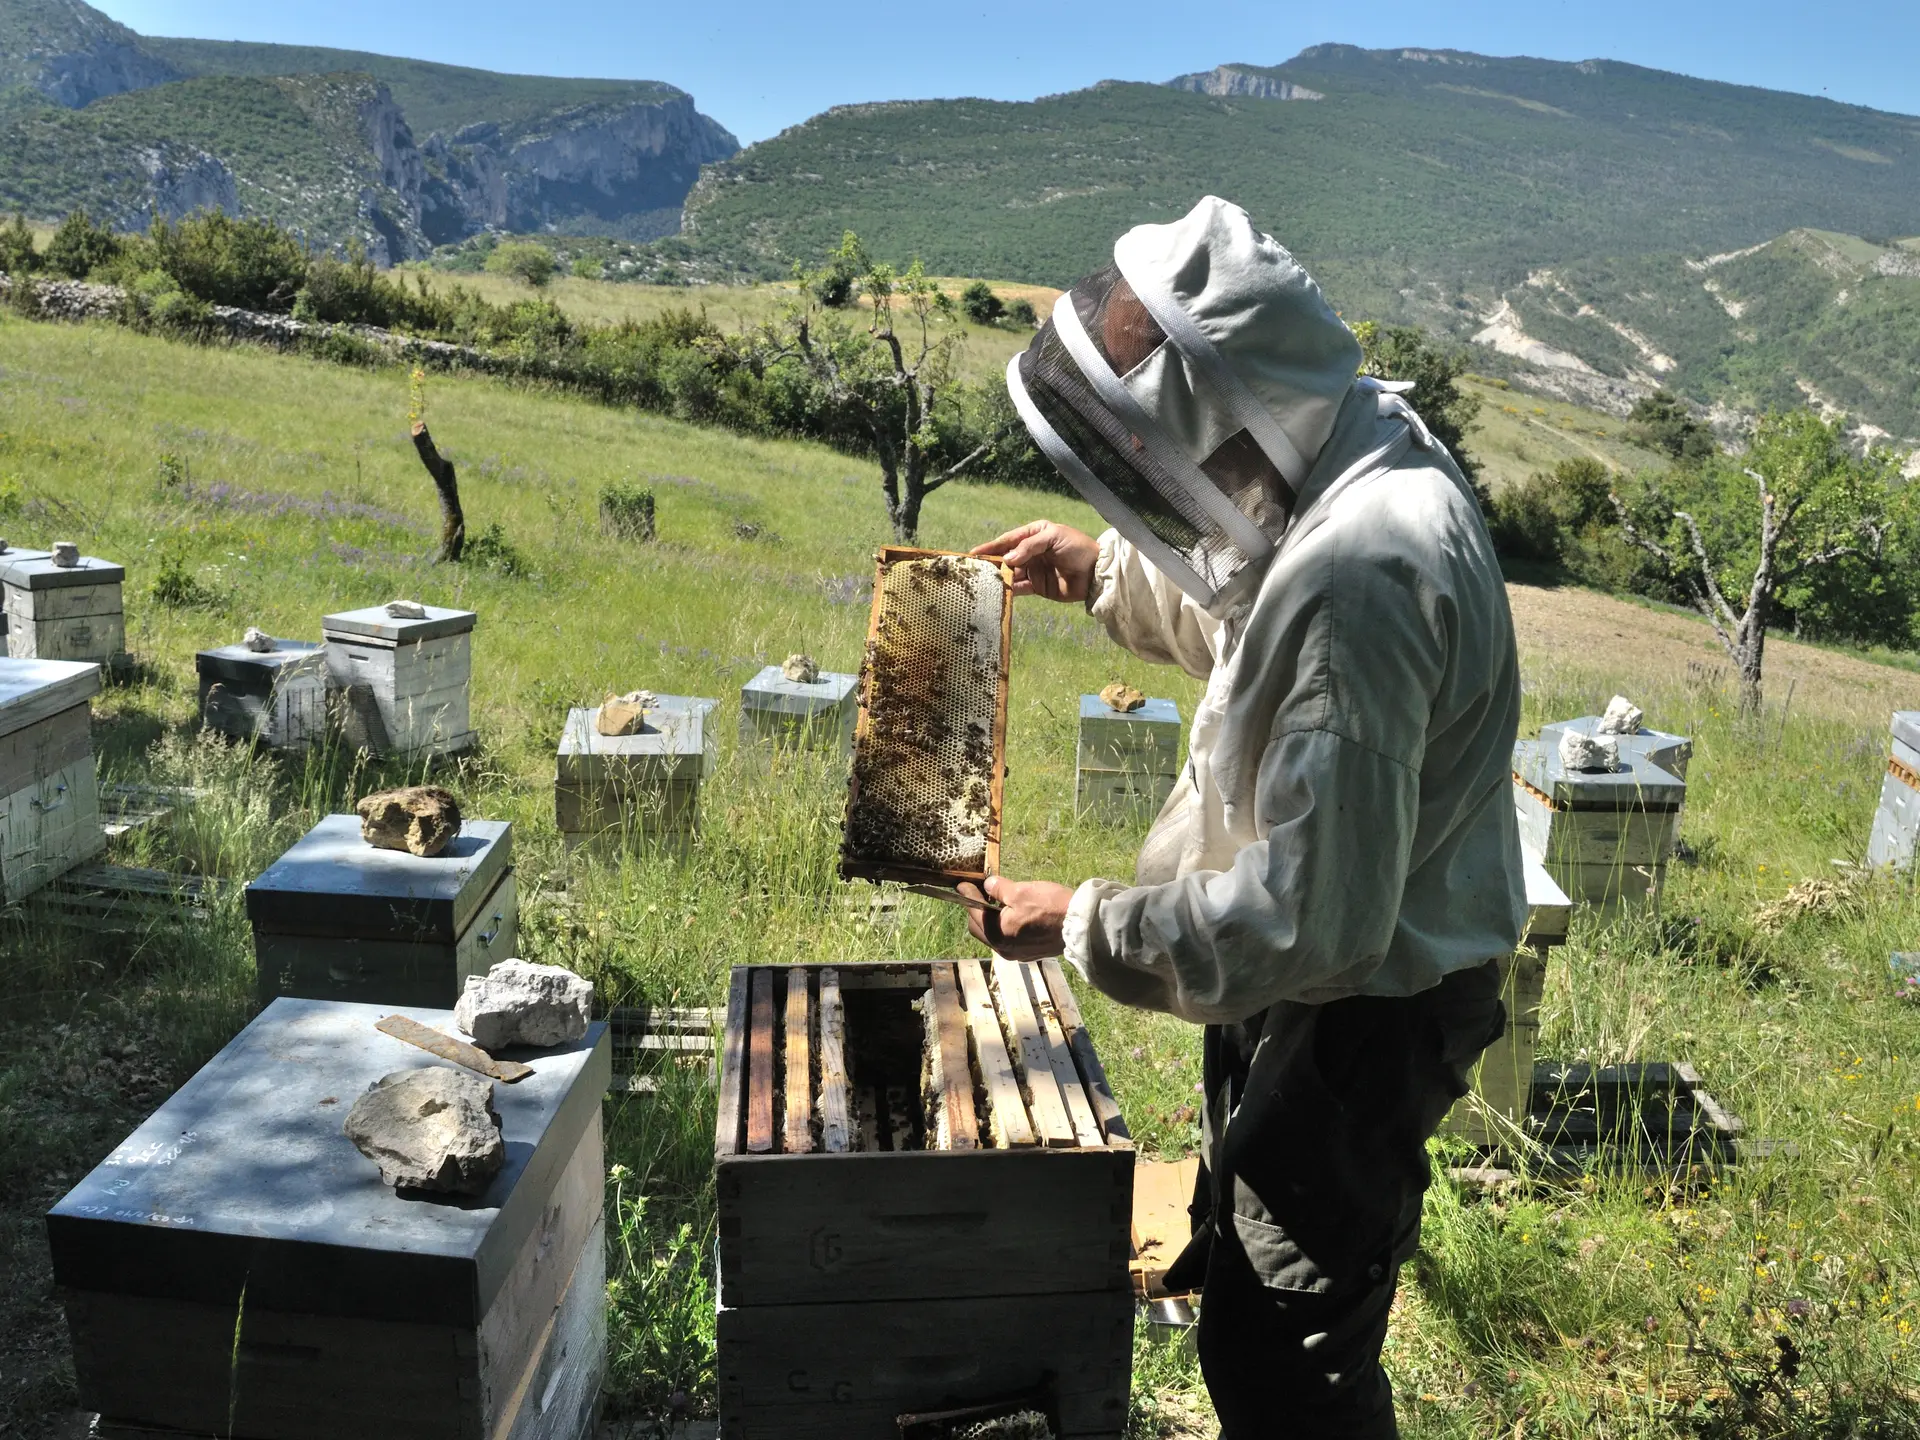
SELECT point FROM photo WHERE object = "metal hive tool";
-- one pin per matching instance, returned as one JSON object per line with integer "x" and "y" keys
{"x": 923, "y": 804}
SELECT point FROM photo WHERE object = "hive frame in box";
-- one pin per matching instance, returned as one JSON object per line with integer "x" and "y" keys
{"x": 927, "y": 879}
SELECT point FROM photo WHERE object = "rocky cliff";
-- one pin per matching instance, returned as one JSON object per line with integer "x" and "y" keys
{"x": 66, "y": 53}
{"x": 1238, "y": 80}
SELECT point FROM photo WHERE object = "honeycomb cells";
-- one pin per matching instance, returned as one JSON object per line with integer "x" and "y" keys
{"x": 924, "y": 766}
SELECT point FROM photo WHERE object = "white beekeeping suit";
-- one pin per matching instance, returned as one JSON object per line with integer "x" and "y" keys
{"x": 1293, "y": 536}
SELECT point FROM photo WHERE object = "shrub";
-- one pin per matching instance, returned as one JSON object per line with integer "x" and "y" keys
{"x": 79, "y": 247}
{"x": 492, "y": 549}
{"x": 1541, "y": 517}
{"x": 1021, "y": 312}
{"x": 172, "y": 471}
{"x": 1404, "y": 352}
{"x": 17, "y": 255}
{"x": 626, "y": 512}
{"x": 353, "y": 292}
{"x": 981, "y": 305}
{"x": 523, "y": 260}
{"x": 1661, "y": 421}
{"x": 585, "y": 269}
{"x": 250, "y": 264}
{"x": 155, "y": 301}
{"x": 176, "y": 587}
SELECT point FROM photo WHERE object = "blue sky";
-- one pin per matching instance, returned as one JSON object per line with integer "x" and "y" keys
{"x": 760, "y": 65}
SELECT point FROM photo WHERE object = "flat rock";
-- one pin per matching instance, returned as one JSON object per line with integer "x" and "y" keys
{"x": 406, "y": 610}
{"x": 1589, "y": 753}
{"x": 420, "y": 819}
{"x": 520, "y": 1003}
{"x": 257, "y": 640}
{"x": 1122, "y": 697}
{"x": 433, "y": 1130}
{"x": 1622, "y": 717}
{"x": 800, "y": 669}
{"x": 624, "y": 714}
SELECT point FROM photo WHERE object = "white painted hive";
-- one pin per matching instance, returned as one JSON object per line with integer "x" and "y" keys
{"x": 49, "y": 793}
{"x": 402, "y": 685}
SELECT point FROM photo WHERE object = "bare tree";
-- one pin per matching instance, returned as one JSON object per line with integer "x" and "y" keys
{"x": 1799, "y": 501}
{"x": 888, "y": 384}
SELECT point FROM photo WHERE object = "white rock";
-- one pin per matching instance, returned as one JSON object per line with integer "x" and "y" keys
{"x": 66, "y": 554}
{"x": 430, "y": 1129}
{"x": 257, "y": 640}
{"x": 1622, "y": 717}
{"x": 1589, "y": 752}
{"x": 800, "y": 669}
{"x": 517, "y": 1003}
{"x": 406, "y": 610}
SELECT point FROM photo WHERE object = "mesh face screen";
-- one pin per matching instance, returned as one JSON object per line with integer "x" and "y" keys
{"x": 923, "y": 796}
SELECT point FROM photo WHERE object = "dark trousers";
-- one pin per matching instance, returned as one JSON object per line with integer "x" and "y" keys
{"x": 1309, "y": 1199}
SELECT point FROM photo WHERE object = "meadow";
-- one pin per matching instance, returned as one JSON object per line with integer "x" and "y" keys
{"x": 1777, "y": 1298}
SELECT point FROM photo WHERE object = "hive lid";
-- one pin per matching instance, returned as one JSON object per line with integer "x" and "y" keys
{"x": 1662, "y": 748}
{"x": 40, "y": 573}
{"x": 1638, "y": 784}
{"x": 1154, "y": 712}
{"x": 373, "y": 623}
{"x": 237, "y": 661}
{"x": 246, "y": 1177}
{"x": 1906, "y": 728}
{"x": 676, "y": 743}
{"x": 771, "y": 692}
{"x": 332, "y": 883}
{"x": 31, "y": 690}
{"x": 13, "y": 555}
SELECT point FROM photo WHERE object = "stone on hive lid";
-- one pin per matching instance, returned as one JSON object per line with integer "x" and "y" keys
{"x": 419, "y": 819}
{"x": 1621, "y": 717}
{"x": 430, "y": 1130}
{"x": 623, "y": 714}
{"x": 1122, "y": 697}
{"x": 257, "y": 640}
{"x": 800, "y": 669}
{"x": 406, "y": 610}
{"x": 45, "y": 572}
{"x": 518, "y": 1003}
{"x": 374, "y": 624}
{"x": 1589, "y": 754}
{"x": 66, "y": 554}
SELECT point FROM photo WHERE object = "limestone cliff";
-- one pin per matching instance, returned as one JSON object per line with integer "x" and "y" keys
{"x": 67, "y": 53}
{"x": 1243, "y": 82}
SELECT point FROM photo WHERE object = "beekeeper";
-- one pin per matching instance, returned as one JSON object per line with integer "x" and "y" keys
{"x": 1330, "y": 884}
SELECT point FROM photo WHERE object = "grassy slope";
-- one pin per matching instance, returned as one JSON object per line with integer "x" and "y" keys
{"x": 434, "y": 96}
{"x": 1600, "y": 1312}
{"x": 1460, "y": 175}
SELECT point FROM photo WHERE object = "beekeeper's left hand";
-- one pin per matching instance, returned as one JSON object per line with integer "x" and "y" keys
{"x": 1027, "y": 924}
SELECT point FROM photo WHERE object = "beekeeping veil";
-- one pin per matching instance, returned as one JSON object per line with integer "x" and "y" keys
{"x": 1185, "y": 391}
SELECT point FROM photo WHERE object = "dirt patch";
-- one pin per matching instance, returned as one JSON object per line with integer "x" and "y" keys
{"x": 1585, "y": 630}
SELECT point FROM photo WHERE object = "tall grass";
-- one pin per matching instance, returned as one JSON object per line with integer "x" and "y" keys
{"x": 1776, "y": 1299}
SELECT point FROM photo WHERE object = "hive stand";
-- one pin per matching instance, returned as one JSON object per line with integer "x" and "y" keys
{"x": 1603, "y": 837}
{"x": 338, "y": 919}
{"x": 1503, "y": 1078}
{"x": 612, "y": 789}
{"x": 1127, "y": 761}
{"x": 925, "y": 1195}
{"x": 1896, "y": 824}
{"x": 402, "y": 685}
{"x": 238, "y": 1268}
{"x": 776, "y": 713}
{"x": 277, "y": 697}
{"x": 65, "y": 612}
{"x": 49, "y": 793}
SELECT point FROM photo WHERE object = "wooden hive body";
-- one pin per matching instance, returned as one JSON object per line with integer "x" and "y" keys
{"x": 1503, "y": 1076}
{"x": 917, "y": 1213}
{"x": 610, "y": 790}
{"x": 237, "y": 1267}
{"x": 65, "y": 612}
{"x": 1605, "y": 838}
{"x": 49, "y": 792}
{"x": 1127, "y": 761}
{"x": 402, "y": 685}
{"x": 277, "y": 697}
{"x": 12, "y": 555}
{"x": 337, "y": 919}
{"x": 1896, "y": 824}
{"x": 777, "y": 712}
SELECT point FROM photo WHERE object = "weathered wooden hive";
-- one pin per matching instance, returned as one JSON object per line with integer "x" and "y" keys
{"x": 1604, "y": 836}
{"x": 1503, "y": 1078}
{"x": 1896, "y": 825}
{"x": 49, "y": 793}
{"x": 338, "y": 919}
{"x": 611, "y": 789}
{"x": 402, "y": 685}
{"x": 277, "y": 697}
{"x": 10, "y": 555}
{"x": 776, "y": 712}
{"x": 64, "y": 612}
{"x": 238, "y": 1268}
{"x": 925, "y": 1193}
{"x": 1128, "y": 760}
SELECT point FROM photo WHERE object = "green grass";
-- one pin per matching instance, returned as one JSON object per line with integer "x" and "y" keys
{"x": 1613, "y": 1309}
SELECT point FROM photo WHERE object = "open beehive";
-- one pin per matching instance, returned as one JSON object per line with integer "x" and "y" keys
{"x": 923, "y": 801}
{"x": 925, "y": 1197}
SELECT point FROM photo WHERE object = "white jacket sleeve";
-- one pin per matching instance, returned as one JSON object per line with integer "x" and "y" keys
{"x": 1342, "y": 677}
{"x": 1147, "y": 613}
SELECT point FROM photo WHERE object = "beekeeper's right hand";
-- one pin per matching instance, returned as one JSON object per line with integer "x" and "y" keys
{"x": 1055, "y": 561}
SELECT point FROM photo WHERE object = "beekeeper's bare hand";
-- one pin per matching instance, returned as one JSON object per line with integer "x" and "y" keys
{"x": 1046, "y": 559}
{"x": 1028, "y": 923}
